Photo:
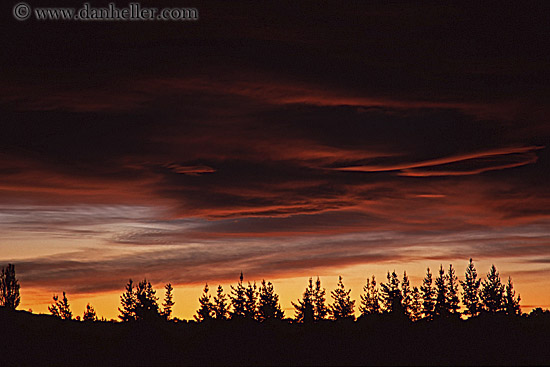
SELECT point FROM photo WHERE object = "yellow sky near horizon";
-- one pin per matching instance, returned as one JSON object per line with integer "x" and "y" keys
{"x": 291, "y": 288}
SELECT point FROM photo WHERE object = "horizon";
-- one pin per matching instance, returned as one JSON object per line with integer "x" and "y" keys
{"x": 284, "y": 143}
{"x": 186, "y": 298}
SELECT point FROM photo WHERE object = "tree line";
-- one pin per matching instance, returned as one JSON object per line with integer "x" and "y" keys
{"x": 435, "y": 298}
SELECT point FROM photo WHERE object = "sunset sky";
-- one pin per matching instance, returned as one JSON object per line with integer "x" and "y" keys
{"x": 284, "y": 140}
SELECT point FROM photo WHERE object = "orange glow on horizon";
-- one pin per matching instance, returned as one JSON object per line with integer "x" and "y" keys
{"x": 291, "y": 288}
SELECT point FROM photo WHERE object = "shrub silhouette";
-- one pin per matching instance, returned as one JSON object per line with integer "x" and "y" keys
{"x": 89, "y": 313}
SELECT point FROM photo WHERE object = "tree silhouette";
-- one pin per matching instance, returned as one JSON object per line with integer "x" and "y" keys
{"x": 128, "y": 302}
{"x": 369, "y": 301}
{"x": 470, "y": 290}
{"x": 305, "y": 307}
{"x": 139, "y": 303}
{"x": 250, "y": 302}
{"x": 441, "y": 307}
{"x": 492, "y": 292}
{"x": 415, "y": 310}
{"x": 428, "y": 295}
{"x": 147, "y": 307}
{"x": 54, "y": 307}
{"x": 168, "y": 301}
{"x": 343, "y": 305}
{"x": 238, "y": 299}
{"x": 206, "y": 309}
{"x": 391, "y": 295}
{"x": 406, "y": 295}
{"x": 452, "y": 291}
{"x": 539, "y": 312}
{"x": 9, "y": 288}
{"x": 511, "y": 302}
{"x": 320, "y": 310}
{"x": 221, "y": 307}
{"x": 89, "y": 313}
{"x": 61, "y": 308}
{"x": 268, "y": 305}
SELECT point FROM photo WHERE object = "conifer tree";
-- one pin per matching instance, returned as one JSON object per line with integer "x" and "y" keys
{"x": 221, "y": 307}
{"x": 9, "y": 288}
{"x": 428, "y": 295}
{"x": 452, "y": 291}
{"x": 128, "y": 302}
{"x": 238, "y": 299}
{"x": 391, "y": 295}
{"x": 343, "y": 305}
{"x": 61, "y": 308}
{"x": 168, "y": 301}
{"x": 470, "y": 290}
{"x": 320, "y": 310}
{"x": 89, "y": 313}
{"x": 492, "y": 292}
{"x": 268, "y": 305}
{"x": 369, "y": 301}
{"x": 206, "y": 309}
{"x": 441, "y": 308}
{"x": 251, "y": 302}
{"x": 406, "y": 295}
{"x": 511, "y": 302}
{"x": 305, "y": 307}
{"x": 146, "y": 307}
{"x": 415, "y": 312}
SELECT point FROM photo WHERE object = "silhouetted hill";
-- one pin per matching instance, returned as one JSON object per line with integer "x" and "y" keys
{"x": 29, "y": 339}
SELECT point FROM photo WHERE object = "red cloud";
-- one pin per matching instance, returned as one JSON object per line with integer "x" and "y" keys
{"x": 526, "y": 155}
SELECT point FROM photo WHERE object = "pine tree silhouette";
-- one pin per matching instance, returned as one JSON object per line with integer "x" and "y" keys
{"x": 238, "y": 299}
{"x": 415, "y": 312}
{"x": 128, "y": 301}
{"x": 306, "y": 306}
{"x": 320, "y": 310}
{"x": 147, "y": 307}
{"x": 343, "y": 305}
{"x": 168, "y": 301}
{"x": 89, "y": 313}
{"x": 369, "y": 300}
{"x": 428, "y": 295}
{"x": 250, "y": 302}
{"x": 452, "y": 291}
{"x": 470, "y": 290}
{"x": 268, "y": 305}
{"x": 139, "y": 303}
{"x": 9, "y": 288}
{"x": 221, "y": 307}
{"x": 206, "y": 309}
{"x": 391, "y": 295}
{"x": 441, "y": 307}
{"x": 492, "y": 292}
{"x": 406, "y": 295}
{"x": 61, "y": 308}
{"x": 511, "y": 302}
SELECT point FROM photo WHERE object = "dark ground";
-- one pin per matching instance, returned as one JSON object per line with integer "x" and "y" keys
{"x": 28, "y": 339}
